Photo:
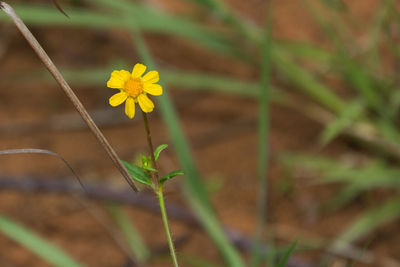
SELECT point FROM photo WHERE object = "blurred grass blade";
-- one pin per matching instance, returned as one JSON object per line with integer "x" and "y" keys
{"x": 263, "y": 137}
{"x": 306, "y": 50}
{"x": 185, "y": 27}
{"x": 175, "y": 78}
{"x": 286, "y": 256}
{"x": 41, "y": 247}
{"x": 361, "y": 81}
{"x": 213, "y": 228}
{"x": 369, "y": 221}
{"x": 130, "y": 233}
{"x": 242, "y": 26}
{"x": 344, "y": 120}
{"x": 357, "y": 179}
{"x": 195, "y": 261}
{"x": 302, "y": 79}
{"x": 140, "y": 16}
{"x": 375, "y": 35}
{"x": 337, "y": 4}
{"x": 194, "y": 189}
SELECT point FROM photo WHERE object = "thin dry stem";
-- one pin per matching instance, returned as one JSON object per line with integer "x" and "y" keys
{"x": 155, "y": 177}
{"x": 67, "y": 89}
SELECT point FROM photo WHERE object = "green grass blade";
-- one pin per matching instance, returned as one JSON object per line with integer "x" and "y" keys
{"x": 306, "y": 50}
{"x": 213, "y": 228}
{"x": 367, "y": 222}
{"x": 336, "y": 4}
{"x": 185, "y": 27}
{"x": 242, "y": 26}
{"x": 375, "y": 35}
{"x": 286, "y": 256}
{"x": 194, "y": 261}
{"x": 304, "y": 81}
{"x": 130, "y": 233}
{"x": 41, "y": 247}
{"x": 140, "y": 16}
{"x": 361, "y": 81}
{"x": 263, "y": 135}
{"x": 344, "y": 120}
{"x": 176, "y": 78}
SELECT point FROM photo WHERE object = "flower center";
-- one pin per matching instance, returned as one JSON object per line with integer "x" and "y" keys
{"x": 134, "y": 87}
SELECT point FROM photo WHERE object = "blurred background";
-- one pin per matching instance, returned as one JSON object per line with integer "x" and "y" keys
{"x": 330, "y": 70}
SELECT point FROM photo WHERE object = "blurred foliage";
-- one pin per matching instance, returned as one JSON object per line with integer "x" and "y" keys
{"x": 366, "y": 108}
{"x": 38, "y": 245}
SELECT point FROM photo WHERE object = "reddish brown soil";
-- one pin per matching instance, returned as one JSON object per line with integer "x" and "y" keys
{"x": 221, "y": 128}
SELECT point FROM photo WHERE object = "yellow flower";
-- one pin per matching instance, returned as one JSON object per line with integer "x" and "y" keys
{"x": 134, "y": 88}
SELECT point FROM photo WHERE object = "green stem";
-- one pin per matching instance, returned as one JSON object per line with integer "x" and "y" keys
{"x": 160, "y": 197}
{"x": 158, "y": 189}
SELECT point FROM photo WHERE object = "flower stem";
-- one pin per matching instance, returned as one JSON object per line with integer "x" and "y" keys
{"x": 154, "y": 176}
{"x": 160, "y": 197}
{"x": 158, "y": 189}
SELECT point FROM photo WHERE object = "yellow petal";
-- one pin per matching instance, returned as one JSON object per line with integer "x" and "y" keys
{"x": 130, "y": 107}
{"x": 118, "y": 99}
{"x": 153, "y": 89}
{"x": 118, "y": 79}
{"x": 138, "y": 70}
{"x": 145, "y": 103}
{"x": 151, "y": 77}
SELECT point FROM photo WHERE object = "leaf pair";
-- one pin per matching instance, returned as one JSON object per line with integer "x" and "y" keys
{"x": 141, "y": 174}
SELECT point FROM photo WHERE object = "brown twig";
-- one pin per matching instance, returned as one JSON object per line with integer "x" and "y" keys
{"x": 67, "y": 89}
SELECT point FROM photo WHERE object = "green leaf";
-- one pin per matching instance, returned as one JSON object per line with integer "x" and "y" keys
{"x": 41, "y": 247}
{"x": 130, "y": 233}
{"x": 137, "y": 173}
{"x": 171, "y": 175}
{"x": 148, "y": 168}
{"x": 158, "y": 150}
{"x": 285, "y": 258}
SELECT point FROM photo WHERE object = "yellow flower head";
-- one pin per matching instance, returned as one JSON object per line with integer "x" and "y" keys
{"x": 134, "y": 88}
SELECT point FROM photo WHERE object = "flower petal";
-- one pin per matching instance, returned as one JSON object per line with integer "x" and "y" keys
{"x": 153, "y": 89}
{"x": 130, "y": 107}
{"x": 118, "y": 79}
{"x": 145, "y": 103}
{"x": 151, "y": 77}
{"x": 118, "y": 99}
{"x": 138, "y": 70}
